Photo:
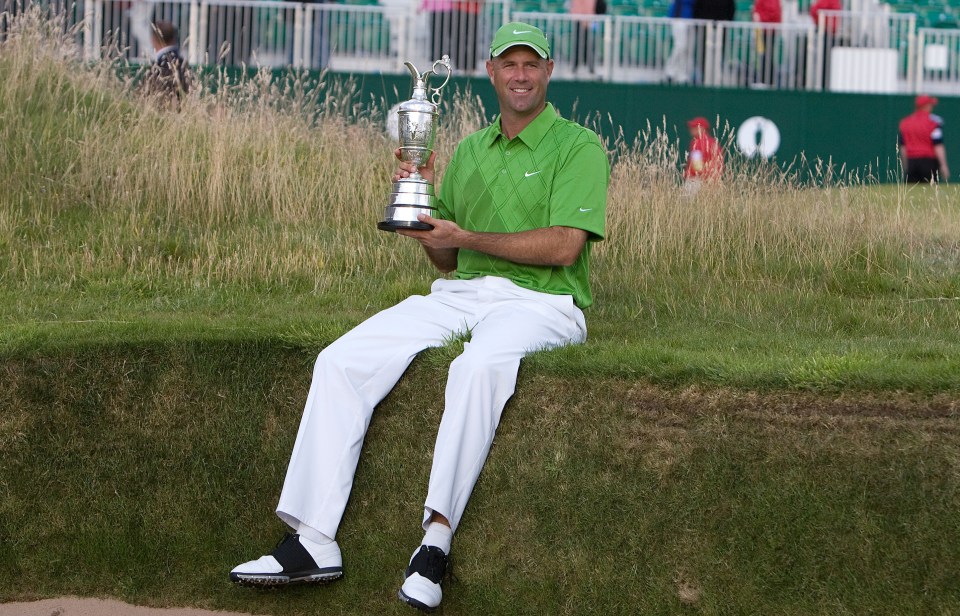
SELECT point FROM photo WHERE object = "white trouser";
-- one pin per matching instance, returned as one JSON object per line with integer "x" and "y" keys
{"x": 353, "y": 374}
{"x": 679, "y": 64}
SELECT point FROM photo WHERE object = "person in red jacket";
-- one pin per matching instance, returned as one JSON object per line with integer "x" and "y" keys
{"x": 920, "y": 140}
{"x": 704, "y": 156}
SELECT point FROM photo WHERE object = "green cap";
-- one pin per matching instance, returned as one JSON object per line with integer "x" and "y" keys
{"x": 518, "y": 33}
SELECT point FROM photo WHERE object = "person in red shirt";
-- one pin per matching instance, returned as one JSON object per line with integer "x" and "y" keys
{"x": 705, "y": 156}
{"x": 767, "y": 11}
{"x": 920, "y": 141}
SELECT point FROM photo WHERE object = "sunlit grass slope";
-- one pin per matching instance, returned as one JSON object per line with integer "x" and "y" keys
{"x": 252, "y": 210}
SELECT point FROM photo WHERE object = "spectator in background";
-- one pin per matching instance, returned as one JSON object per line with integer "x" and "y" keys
{"x": 704, "y": 156}
{"x": 441, "y": 27}
{"x": 585, "y": 41}
{"x": 464, "y": 34}
{"x": 830, "y": 25}
{"x": 678, "y": 68}
{"x": 167, "y": 78}
{"x": 920, "y": 141}
{"x": 826, "y": 5}
{"x": 453, "y": 31}
{"x": 767, "y": 12}
{"x": 713, "y": 10}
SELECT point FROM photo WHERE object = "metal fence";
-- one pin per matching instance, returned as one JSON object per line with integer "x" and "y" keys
{"x": 762, "y": 55}
{"x": 852, "y": 51}
{"x": 938, "y": 61}
{"x": 866, "y": 52}
{"x": 579, "y": 43}
{"x": 65, "y": 13}
{"x": 249, "y": 32}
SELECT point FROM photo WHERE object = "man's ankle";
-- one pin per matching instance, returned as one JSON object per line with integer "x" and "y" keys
{"x": 438, "y": 535}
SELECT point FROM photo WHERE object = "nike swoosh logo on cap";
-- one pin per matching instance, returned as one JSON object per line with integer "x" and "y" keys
{"x": 522, "y": 31}
{"x": 529, "y": 173}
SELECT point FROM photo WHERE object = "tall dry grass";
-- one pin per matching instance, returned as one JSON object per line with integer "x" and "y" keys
{"x": 266, "y": 181}
{"x": 804, "y": 232}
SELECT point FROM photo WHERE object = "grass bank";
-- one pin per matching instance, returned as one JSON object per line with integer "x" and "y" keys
{"x": 147, "y": 472}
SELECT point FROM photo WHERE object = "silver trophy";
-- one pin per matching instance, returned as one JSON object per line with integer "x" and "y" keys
{"x": 417, "y": 123}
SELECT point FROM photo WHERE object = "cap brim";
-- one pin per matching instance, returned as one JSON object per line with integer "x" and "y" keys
{"x": 539, "y": 50}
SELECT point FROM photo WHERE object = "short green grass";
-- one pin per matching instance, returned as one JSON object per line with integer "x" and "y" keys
{"x": 764, "y": 419}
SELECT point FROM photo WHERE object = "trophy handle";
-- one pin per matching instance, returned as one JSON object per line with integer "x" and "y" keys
{"x": 445, "y": 63}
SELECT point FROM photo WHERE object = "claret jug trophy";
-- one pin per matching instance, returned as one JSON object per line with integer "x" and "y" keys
{"x": 417, "y": 124}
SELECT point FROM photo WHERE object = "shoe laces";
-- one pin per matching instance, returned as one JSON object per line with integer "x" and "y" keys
{"x": 430, "y": 562}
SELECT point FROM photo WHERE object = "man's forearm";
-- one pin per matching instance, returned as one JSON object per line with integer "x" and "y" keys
{"x": 941, "y": 153}
{"x": 552, "y": 246}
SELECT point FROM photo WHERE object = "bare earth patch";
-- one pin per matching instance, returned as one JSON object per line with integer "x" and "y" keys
{"x": 75, "y": 606}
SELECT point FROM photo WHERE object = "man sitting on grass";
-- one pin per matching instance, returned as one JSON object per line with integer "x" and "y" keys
{"x": 519, "y": 205}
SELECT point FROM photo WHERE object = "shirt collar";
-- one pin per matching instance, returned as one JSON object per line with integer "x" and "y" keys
{"x": 164, "y": 50}
{"x": 534, "y": 132}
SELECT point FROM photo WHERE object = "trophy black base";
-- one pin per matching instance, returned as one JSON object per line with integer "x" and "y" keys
{"x": 393, "y": 225}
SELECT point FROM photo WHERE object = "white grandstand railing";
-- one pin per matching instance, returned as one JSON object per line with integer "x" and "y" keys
{"x": 251, "y": 32}
{"x": 866, "y": 52}
{"x": 762, "y": 55}
{"x": 579, "y": 44}
{"x": 858, "y": 51}
{"x": 938, "y": 61}
{"x": 65, "y": 12}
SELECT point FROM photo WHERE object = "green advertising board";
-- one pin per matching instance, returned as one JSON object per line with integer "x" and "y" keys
{"x": 856, "y": 133}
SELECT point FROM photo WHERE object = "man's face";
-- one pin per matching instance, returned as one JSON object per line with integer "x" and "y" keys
{"x": 520, "y": 77}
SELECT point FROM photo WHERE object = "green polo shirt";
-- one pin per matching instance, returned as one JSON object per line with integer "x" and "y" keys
{"x": 554, "y": 173}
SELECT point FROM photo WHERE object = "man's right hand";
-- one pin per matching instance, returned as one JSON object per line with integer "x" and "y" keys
{"x": 406, "y": 169}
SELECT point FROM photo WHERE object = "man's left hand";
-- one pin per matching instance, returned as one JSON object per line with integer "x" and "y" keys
{"x": 443, "y": 236}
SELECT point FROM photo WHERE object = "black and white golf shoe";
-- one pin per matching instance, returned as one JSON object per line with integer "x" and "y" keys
{"x": 421, "y": 589}
{"x": 291, "y": 563}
